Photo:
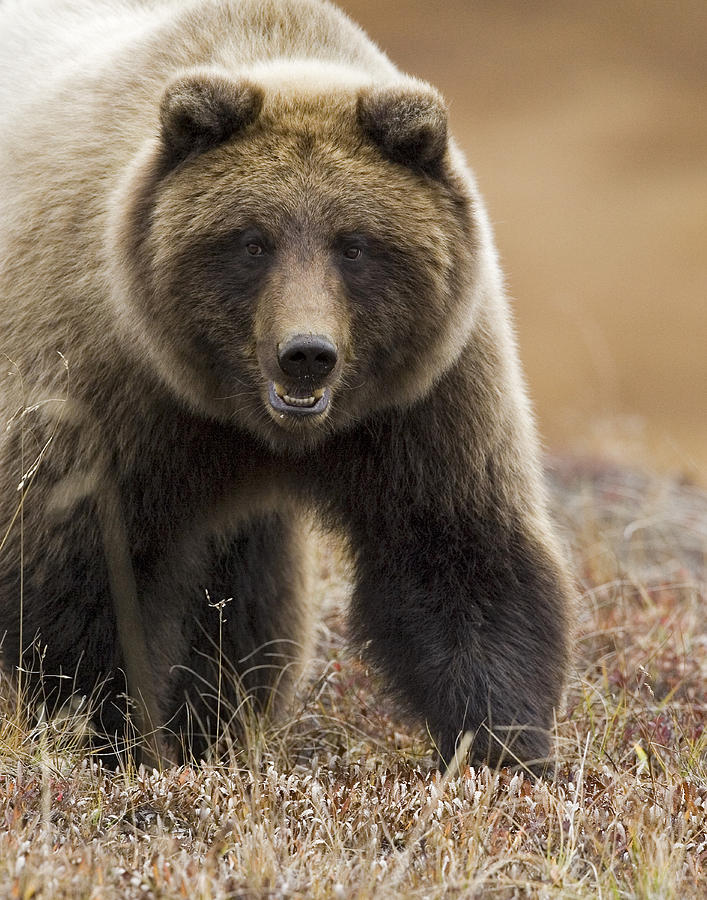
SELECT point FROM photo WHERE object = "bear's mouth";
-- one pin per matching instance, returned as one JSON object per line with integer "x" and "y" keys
{"x": 298, "y": 402}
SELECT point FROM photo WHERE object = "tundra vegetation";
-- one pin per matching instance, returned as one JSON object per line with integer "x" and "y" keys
{"x": 341, "y": 799}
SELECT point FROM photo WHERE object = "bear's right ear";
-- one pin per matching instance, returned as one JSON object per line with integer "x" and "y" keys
{"x": 202, "y": 109}
{"x": 408, "y": 122}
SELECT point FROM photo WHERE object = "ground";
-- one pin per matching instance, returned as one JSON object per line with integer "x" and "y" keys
{"x": 341, "y": 799}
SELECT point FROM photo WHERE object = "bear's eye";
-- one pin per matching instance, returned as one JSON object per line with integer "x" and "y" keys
{"x": 352, "y": 252}
{"x": 253, "y": 248}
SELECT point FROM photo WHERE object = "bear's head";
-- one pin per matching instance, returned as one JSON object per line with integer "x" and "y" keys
{"x": 292, "y": 258}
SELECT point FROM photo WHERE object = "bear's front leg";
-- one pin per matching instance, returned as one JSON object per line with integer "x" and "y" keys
{"x": 248, "y": 640}
{"x": 465, "y": 617}
{"x": 460, "y": 597}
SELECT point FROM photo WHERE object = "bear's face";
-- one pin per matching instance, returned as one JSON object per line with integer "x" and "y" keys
{"x": 303, "y": 261}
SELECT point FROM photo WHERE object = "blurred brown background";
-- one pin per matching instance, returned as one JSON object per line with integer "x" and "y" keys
{"x": 586, "y": 123}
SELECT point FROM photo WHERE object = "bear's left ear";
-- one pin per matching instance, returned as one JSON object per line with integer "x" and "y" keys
{"x": 204, "y": 108}
{"x": 409, "y": 123}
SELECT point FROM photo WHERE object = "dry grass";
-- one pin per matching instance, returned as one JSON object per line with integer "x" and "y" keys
{"x": 340, "y": 800}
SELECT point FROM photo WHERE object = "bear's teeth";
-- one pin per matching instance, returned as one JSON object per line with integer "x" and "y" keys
{"x": 299, "y": 401}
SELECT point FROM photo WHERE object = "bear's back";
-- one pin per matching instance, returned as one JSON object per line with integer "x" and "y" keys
{"x": 48, "y": 44}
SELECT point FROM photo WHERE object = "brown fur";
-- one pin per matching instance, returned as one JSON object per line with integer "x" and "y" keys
{"x": 179, "y": 207}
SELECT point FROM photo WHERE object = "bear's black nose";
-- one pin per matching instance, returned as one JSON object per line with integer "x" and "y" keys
{"x": 307, "y": 356}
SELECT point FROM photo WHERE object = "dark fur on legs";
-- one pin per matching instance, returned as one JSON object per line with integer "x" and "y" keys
{"x": 245, "y": 637}
{"x": 458, "y": 599}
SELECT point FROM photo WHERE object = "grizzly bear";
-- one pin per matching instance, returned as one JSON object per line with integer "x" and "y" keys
{"x": 246, "y": 278}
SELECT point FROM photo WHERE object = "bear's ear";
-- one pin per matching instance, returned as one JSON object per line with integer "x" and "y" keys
{"x": 202, "y": 109}
{"x": 408, "y": 123}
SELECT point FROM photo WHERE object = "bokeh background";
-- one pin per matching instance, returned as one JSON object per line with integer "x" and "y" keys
{"x": 586, "y": 124}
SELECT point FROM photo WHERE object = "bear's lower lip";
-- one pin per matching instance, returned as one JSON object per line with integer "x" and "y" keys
{"x": 285, "y": 404}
